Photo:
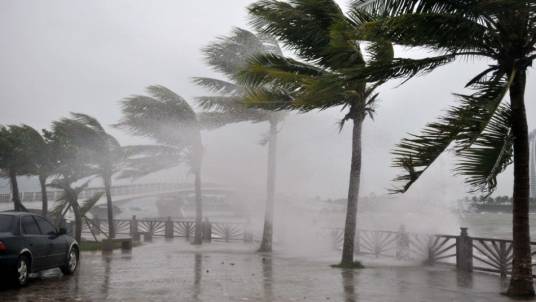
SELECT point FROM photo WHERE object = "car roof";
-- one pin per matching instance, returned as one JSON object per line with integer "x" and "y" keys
{"x": 15, "y": 213}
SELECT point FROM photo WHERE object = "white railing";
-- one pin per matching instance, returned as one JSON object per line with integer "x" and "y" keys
{"x": 116, "y": 191}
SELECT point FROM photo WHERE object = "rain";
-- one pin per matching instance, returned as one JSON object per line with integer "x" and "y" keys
{"x": 271, "y": 150}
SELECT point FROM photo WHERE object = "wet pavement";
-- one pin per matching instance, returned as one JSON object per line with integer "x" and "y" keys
{"x": 177, "y": 271}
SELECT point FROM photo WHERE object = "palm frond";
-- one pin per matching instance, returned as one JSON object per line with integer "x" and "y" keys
{"x": 163, "y": 116}
{"x": 219, "y": 86}
{"x": 490, "y": 154}
{"x": 304, "y": 26}
{"x": 398, "y": 68}
{"x": 462, "y": 124}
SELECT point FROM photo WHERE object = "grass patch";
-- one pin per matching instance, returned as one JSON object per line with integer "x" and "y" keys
{"x": 91, "y": 246}
{"x": 354, "y": 265}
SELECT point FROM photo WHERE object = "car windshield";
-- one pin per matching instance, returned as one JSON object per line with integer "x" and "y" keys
{"x": 6, "y": 222}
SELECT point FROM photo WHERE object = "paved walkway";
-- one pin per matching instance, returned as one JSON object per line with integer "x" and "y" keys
{"x": 219, "y": 272}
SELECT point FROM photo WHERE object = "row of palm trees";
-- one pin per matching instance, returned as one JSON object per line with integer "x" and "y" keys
{"x": 340, "y": 58}
{"x": 331, "y": 69}
{"x": 69, "y": 154}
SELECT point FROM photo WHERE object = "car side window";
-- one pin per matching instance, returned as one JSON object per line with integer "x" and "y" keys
{"x": 29, "y": 226}
{"x": 46, "y": 227}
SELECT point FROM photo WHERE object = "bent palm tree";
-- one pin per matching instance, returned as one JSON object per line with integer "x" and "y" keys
{"x": 229, "y": 56}
{"x": 320, "y": 33}
{"x": 104, "y": 152}
{"x": 486, "y": 131}
{"x": 43, "y": 162}
{"x": 73, "y": 165}
{"x": 172, "y": 124}
{"x": 16, "y": 156}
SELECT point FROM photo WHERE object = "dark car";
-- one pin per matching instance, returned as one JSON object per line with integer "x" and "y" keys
{"x": 29, "y": 243}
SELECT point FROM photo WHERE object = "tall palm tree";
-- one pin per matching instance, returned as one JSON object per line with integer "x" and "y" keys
{"x": 104, "y": 152}
{"x": 533, "y": 164}
{"x": 486, "y": 131}
{"x": 321, "y": 34}
{"x": 228, "y": 56}
{"x": 173, "y": 125}
{"x": 16, "y": 146}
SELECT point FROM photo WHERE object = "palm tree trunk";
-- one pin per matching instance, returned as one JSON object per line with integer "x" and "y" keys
{"x": 44, "y": 197}
{"x": 15, "y": 194}
{"x": 198, "y": 236}
{"x": 77, "y": 218}
{"x": 521, "y": 281}
{"x": 353, "y": 195}
{"x": 267, "y": 234}
{"x": 110, "y": 210}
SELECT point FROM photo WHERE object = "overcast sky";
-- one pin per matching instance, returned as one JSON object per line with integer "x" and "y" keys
{"x": 67, "y": 56}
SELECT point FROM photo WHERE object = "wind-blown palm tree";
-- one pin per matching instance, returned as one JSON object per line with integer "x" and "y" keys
{"x": 43, "y": 162}
{"x": 16, "y": 155}
{"x": 72, "y": 173}
{"x": 321, "y": 34}
{"x": 486, "y": 131}
{"x": 228, "y": 56}
{"x": 173, "y": 125}
{"x": 103, "y": 150}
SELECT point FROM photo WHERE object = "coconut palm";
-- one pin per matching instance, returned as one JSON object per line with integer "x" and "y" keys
{"x": 16, "y": 156}
{"x": 228, "y": 56}
{"x": 43, "y": 162}
{"x": 488, "y": 133}
{"x": 321, "y": 35}
{"x": 104, "y": 152}
{"x": 168, "y": 120}
{"x": 72, "y": 174}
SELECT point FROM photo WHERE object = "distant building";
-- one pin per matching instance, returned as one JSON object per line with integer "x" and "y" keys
{"x": 533, "y": 164}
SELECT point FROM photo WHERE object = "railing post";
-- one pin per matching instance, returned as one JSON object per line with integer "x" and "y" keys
{"x": 134, "y": 229}
{"x": 187, "y": 229}
{"x": 503, "y": 256}
{"x": 169, "y": 228}
{"x": 207, "y": 230}
{"x": 464, "y": 251}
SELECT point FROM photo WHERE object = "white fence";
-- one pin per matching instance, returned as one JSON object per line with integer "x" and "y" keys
{"x": 116, "y": 191}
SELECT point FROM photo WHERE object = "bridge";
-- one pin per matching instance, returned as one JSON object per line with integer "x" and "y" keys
{"x": 119, "y": 193}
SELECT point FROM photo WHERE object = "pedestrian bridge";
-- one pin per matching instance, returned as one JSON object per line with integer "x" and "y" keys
{"x": 122, "y": 192}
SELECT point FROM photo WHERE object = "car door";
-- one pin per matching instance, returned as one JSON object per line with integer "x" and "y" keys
{"x": 56, "y": 243}
{"x": 35, "y": 242}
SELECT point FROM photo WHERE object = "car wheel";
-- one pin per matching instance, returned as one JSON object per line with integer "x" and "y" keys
{"x": 71, "y": 264}
{"x": 23, "y": 271}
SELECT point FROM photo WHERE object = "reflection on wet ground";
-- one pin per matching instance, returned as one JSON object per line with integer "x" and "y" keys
{"x": 177, "y": 271}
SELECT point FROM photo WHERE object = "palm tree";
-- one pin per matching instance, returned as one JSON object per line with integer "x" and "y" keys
{"x": 43, "y": 163}
{"x": 228, "y": 56}
{"x": 16, "y": 155}
{"x": 173, "y": 125}
{"x": 321, "y": 34}
{"x": 486, "y": 131}
{"x": 72, "y": 173}
{"x": 104, "y": 152}
{"x": 533, "y": 164}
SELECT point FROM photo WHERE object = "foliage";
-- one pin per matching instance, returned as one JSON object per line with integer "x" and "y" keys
{"x": 479, "y": 126}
